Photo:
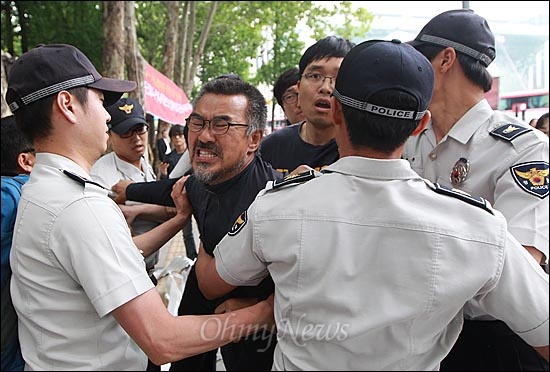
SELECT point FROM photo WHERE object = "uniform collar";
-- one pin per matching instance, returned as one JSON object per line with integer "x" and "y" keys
{"x": 470, "y": 122}
{"x": 387, "y": 169}
{"x": 60, "y": 162}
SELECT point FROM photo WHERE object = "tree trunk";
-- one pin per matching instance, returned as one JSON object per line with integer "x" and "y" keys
{"x": 135, "y": 64}
{"x": 187, "y": 76}
{"x": 170, "y": 38}
{"x": 7, "y": 62}
{"x": 20, "y": 6}
{"x": 182, "y": 42}
{"x": 6, "y": 8}
{"x": 192, "y": 67}
{"x": 134, "y": 60}
{"x": 114, "y": 39}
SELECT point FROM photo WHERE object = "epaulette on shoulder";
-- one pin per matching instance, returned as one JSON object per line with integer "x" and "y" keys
{"x": 294, "y": 179}
{"x": 478, "y": 201}
{"x": 83, "y": 181}
{"x": 509, "y": 131}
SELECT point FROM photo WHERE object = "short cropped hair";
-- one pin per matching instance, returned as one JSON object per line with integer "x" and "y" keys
{"x": 287, "y": 79}
{"x": 14, "y": 142}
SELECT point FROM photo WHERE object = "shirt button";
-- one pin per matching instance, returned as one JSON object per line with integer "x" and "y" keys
{"x": 433, "y": 156}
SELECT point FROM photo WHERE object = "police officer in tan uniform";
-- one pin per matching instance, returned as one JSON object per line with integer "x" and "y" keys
{"x": 470, "y": 147}
{"x": 356, "y": 310}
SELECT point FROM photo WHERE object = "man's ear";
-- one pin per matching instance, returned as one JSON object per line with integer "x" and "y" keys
{"x": 254, "y": 140}
{"x": 25, "y": 162}
{"x": 64, "y": 101}
{"x": 337, "y": 114}
{"x": 423, "y": 123}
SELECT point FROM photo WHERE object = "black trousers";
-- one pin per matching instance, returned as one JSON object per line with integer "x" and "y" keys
{"x": 491, "y": 346}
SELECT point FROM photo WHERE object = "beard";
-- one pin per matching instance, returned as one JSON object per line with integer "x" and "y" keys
{"x": 203, "y": 173}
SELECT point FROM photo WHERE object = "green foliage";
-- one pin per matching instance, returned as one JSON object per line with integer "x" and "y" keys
{"x": 267, "y": 36}
{"x": 150, "y": 25}
{"x": 61, "y": 22}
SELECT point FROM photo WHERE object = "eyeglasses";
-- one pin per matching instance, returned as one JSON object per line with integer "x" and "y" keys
{"x": 290, "y": 98}
{"x": 138, "y": 129}
{"x": 318, "y": 79}
{"x": 216, "y": 125}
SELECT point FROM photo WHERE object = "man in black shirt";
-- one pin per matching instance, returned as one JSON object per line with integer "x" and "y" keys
{"x": 311, "y": 142}
{"x": 224, "y": 132}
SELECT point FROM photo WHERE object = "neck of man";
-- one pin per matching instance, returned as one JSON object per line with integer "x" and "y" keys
{"x": 315, "y": 135}
{"x": 451, "y": 103}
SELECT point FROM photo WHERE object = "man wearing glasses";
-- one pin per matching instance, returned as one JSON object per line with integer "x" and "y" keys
{"x": 285, "y": 91}
{"x": 223, "y": 132}
{"x": 128, "y": 140}
{"x": 311, "y": 142}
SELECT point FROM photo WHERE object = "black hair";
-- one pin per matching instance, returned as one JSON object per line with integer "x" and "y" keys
{"x": 229, "y": 76}
{"x": 256, "y": 111}
{"x": 287, "y": 79}
{"x": 35, "y": 118}
{"x": 328, "y": 47}
{"x": 378, "y": 132}
{"x": 176, "y": 129}
{"x": 14, "y": 142}
{"x": 473, "y": 69}
{"x": 540, "y": 121}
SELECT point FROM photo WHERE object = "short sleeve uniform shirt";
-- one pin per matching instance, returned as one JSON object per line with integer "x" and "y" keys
{"x": 508, "y": 166}
{"x": 390, "y": 299}
{"x": 73, "y": 262}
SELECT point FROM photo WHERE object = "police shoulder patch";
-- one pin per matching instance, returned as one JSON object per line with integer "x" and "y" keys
{"x": 509, "y": 131}
{"x": 294, "y": 178}
{"x": 532, "y": 177}
{"x": 478, "y": 201}
{"x": 239, "y": 224}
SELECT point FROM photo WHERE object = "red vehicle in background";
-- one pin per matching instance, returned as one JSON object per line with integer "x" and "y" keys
{"x": 524, "y": 104}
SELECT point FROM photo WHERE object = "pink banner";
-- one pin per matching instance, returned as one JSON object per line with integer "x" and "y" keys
{"x": 164, "y": 99}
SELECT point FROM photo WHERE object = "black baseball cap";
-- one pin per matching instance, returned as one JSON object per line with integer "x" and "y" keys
{"x": 125, "y": 114}
{"x": 49, "y": 69}
{"x": 375, "y": 66}
{"x": 461, "y": 29}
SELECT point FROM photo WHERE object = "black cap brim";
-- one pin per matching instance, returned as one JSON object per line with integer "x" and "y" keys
{"x": 127, "y": 124}
{"x": 415, "y": 43}
{"x": 113, "y": 89}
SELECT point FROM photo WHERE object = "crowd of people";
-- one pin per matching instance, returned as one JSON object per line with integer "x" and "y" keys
{"x": 396, "y": 222}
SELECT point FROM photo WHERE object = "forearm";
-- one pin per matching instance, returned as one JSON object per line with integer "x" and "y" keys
{"x": 153, "y": 239}
{"x": 537, "y": 255}
{"x": 157, "y": 192}
{"x": 166, "y": 338}
{"x": 543, "y": 350}
{"x": 155, "y": 213}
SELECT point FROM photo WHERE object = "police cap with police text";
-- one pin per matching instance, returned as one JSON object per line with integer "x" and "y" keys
{"x": 375, "y": 66}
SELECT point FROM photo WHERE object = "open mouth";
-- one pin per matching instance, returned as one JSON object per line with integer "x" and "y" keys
{"x": 323, "y": 104}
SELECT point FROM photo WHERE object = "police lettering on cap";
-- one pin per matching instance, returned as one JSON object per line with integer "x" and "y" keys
{"x": 375, "y": 66}
{"x": 463, "y": 30}
{"x": 49, "y": 69}
{"x": 125, "y": 114}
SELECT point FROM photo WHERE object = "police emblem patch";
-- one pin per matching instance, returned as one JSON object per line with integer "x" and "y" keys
{"x": 238, "y": 225}
{"x": 532, "y": 177}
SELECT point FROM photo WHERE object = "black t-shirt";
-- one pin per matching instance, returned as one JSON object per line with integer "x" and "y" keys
{"x": 215, "y": 208}
{"x": 285, "y": 150}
